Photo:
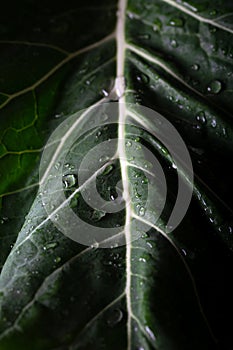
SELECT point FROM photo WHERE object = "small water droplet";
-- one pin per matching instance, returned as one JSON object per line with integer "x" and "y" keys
{"x": 104, "y": 159}
{"x": 131, "y": 15}
{"x": 195, "y": 66}
{"x": 176, "y": 22}
{"x": 213, "y": 123}
{"x": 58, "y": 115}
{"x": 57, "y": 259}
{"x": 128, "y": 143}
{"x": 144, "y": 235}
{"x": 157, "y": 24}
{"x": 142, "y": 211}
{"x": 57, "y": 165}
{"x": 145, "y": 180}
{"x": 105, "y": 92}
{"x": 150, "y": 333}
{"x": 69, "y": 180}
{"x": 174, "y": 43}
{"x": 97, "y": 215}
{"x": 114, "y": 317}
{"x": 56, "y": 217}
{"x": 50, "y": 245}
{"x": 143, "y": 78}
{"x": 201, "y": 118}
{"x": 213, "y": 12}
{"x": 109, "y": 168}
{"x": 142, "y": 260}
{"x": 144, "y": 36}
{"x": 113, "y": 195}
{"x": 214, "y": 87}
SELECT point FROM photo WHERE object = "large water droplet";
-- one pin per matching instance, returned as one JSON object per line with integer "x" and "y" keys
{"x": 69, "y": 180}
{"x": 114, "y": 317}
{"x": 214, "y": 87}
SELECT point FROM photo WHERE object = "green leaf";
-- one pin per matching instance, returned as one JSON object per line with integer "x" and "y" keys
{"x": 68, "y": 68}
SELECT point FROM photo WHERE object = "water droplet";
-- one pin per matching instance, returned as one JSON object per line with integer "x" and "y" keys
{"x": 157, "y": 24}
{"x": 57, "y": 259}
{"x": 195, "y": 66}
{"x": 131, "y": 15}
{"x": 56, "y": 217}
{"x": 97, "y": 215}
{"x": 213, "y": 12}
{"x": 144, "y": 36}
{"x": 104, "y": 159}
{"x": 143, "y": 78}
{"x": 150, "y": 333}
{"x": 114, "y": 317}
{"x": 201, "y": 118}
{"x": 176, "y": 22}
{"x": 174, "y": 43}
{"x": 50, "y": 245}
{"x": 142, "y": 260}
{"x": 213, "y": 123}
{"x": 113, "y": 195}
{"x": 69, "y": 180}
{"x": 141, "y": 211}
{"x": 128, "y": 143}
{"x": 174, "y": 166}
{"x": 214, "y": 87}
{"x": 108, "y": 169}
{"x": 57, "y": 165}
{"x": 145, "y": 180}
{"x": 104, "y": 92}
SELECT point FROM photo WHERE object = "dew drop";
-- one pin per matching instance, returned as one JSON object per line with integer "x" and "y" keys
{"x": 109, "y": 168}
{"x": 114, "y": 317}
{"x": 145, "y": 181}
{"x": 104, "y": 159}
{"x": 50, "y": 245}
{"x": 143, "y": 78}
{"x": 104, "y": 92}
{"x": 195, "y": 67}
{"x": 213, "y": 12}
{"x": 69, "y": 180}
{"x": 174, "y": 43}
{"x": 128, "y": 143}
{"x": 201, "y": 118}
{"x": 213, "y": 123}
{"x": 142, "y": 211}
{"x": 97, "y": 215}
{"x": 57, "y": 165}
{"x": 113, "y": 195}
{"x": 150, "y": 333}
{"x": 142, "y": 260}
{"x": 144, "y": 36}
{"x": 176, "y": 22}
{"x": 214, "y": 87}
{"x": 57, "y": 259}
